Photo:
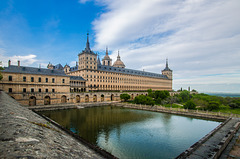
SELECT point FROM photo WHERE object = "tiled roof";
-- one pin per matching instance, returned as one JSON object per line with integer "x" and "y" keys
{"x": 130, "y": 71}
{"x": 77, "y": 78}
{"x": 33, "y": 70}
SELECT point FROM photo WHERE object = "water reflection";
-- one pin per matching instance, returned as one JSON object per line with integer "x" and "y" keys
{"x": 128, "y": 133}
{"x": 90, "y": 122}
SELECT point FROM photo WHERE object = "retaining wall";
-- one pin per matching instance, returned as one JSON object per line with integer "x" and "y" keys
{"x": 24, "y": 134}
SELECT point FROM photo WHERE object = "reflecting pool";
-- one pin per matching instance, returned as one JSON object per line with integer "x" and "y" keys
{"x": 129, "y": 133}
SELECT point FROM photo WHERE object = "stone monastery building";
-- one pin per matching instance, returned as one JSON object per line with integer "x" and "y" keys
{"x": 89, "y": 81}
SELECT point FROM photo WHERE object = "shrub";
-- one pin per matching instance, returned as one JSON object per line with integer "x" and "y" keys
{"x": 235, "y": 104}
{"x": 125, "y": 96}
{"x": 161, "y": 94}
{"x": 185, "y": 95}
{"x": 189, "y": 105}
{"x": 213, "y": 105}
{"x": 141, "y": 99}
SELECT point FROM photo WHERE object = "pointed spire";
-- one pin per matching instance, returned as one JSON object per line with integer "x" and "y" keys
{"x": 118, "y": 57}
{"x": 98, "y": 61}
{"x": 106, "y": 50}
{"x": 87, "y": 49}
{"x": 167, "y": 63}
{"x": 167, "y": 68}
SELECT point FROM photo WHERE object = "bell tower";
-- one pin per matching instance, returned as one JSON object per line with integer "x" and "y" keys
{"x": 167, "y": 71}
{"x": 87, "y": 59}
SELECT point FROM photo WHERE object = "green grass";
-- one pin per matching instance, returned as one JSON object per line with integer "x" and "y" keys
{"x": 173, "y": 106}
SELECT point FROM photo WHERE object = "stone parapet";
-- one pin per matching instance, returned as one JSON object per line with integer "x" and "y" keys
{"x": 24, "y": 134}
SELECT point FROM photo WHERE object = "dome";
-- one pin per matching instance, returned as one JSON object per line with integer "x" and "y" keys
{"x": 118, "y": 62}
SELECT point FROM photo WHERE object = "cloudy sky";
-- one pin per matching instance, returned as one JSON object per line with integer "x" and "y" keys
{"x": 200, "y": 38}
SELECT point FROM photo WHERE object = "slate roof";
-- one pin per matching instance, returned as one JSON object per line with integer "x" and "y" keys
{"x": 77, "y": 78}
{"x": 33, "y": 70}
{"x": 59, "y": 67}
{"x": 74, "y": 68}
{"x": 130, "y": 72}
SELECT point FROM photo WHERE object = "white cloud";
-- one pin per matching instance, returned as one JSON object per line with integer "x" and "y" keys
{"x": 83, "y": 1}
{"x": 24, "y": 60}
{"x": 200, "y": 38}
{"x": 72, "y": 63}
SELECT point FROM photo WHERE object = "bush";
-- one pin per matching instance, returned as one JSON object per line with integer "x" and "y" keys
{"x": 213, "y": 105}
{"x": 150, "y": 93}
{"x": 125, "y": 96}
{"x": 185, "y": 95}
{"x": 235, "y": 104}
{"x": 161, "y": 94}
{"x": 189, "y": 105}
{"x": 141, "y": 99}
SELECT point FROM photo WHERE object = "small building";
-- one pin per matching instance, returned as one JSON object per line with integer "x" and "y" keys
{"x": 35, "y": 86}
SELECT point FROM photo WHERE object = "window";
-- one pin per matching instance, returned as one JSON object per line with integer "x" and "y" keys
{"x": 63, "y": 80}
{"x": 46, "y": 80}
{"x": 39, "y": 79}
{"x": 32, "y": 79}
{"x": 9, "y": 90}
{"x": 32, "y": 89}
{"x": 39, "y": 90}
{"x": 24, "y": 90}
{"x": 53, "y": 80}
{"x": 9, "y": 78}
{"x": 46, "y": 90}
{"x": 53, "y": 90}
{"x": 24, "y": 79}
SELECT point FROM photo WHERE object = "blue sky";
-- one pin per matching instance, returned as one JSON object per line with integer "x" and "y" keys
{"x": 199, "y": 37}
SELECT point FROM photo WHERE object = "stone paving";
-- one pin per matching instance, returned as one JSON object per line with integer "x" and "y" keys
{"x": 24, "y": 134}
{"x": 210, "y": 148}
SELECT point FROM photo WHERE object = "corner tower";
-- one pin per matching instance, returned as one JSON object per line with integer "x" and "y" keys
{"x": 87, "y": 59}
{"x": 167, "y": 71}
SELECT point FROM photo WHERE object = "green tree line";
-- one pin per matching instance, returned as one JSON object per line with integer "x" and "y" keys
{"x": 188, "y": 101}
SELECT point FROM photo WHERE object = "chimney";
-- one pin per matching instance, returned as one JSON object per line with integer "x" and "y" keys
{"x": 18, "y": 63}
{"x": 9, "y": 63}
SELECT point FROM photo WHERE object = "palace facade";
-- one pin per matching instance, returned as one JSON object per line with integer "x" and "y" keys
{"x": 107, "y": 77}
{"x": 89, "y": 81}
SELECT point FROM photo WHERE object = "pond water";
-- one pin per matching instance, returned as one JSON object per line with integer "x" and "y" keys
{"x": 129, "y": 133}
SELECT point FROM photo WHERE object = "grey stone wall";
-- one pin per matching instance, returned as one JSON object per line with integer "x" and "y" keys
{"x": 24, "y": 134}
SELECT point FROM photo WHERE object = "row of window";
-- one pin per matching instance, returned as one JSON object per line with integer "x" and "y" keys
{"x": 87, "y": 58}
{"x": 32, "y": 79}
{"x": 31, "y": 90}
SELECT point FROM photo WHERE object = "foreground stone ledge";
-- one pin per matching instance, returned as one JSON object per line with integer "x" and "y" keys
{"x": 24, "y": 134}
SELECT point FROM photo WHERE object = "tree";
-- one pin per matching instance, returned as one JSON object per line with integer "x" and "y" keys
{"x": 185, "y": 95}
{"x": 189, "y": 105}
{"x": 194, "y": 90}
{"x": 161, "y": 94}
{"x": 235, "y": 104}
{"x": 141, "y": 99}
{"x": 125, "y": 96}
{"x": 1, "y": 74}
{"x": 213, "y": 105}
{"x": 150, "y": 93}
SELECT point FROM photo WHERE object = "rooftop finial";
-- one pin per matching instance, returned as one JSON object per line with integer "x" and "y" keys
{"x": 167, "y": 63}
